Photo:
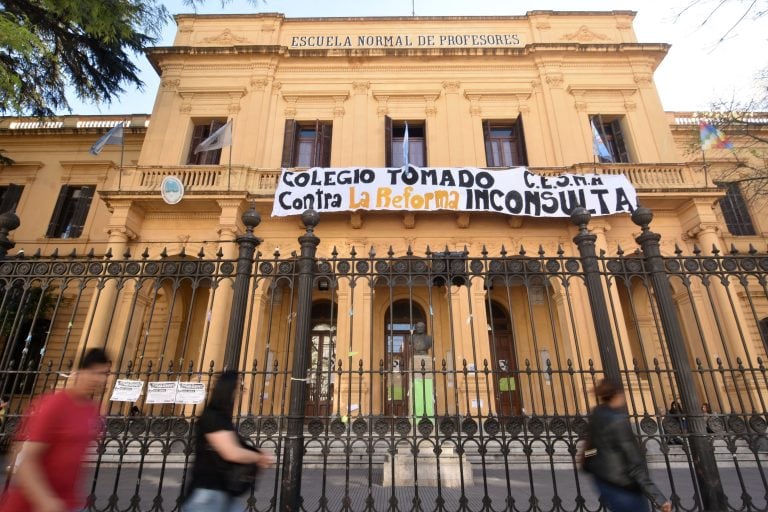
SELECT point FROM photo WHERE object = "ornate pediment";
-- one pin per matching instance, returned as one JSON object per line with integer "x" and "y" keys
{"x": 584, "y": 35}
{"x": 226, "y": 37}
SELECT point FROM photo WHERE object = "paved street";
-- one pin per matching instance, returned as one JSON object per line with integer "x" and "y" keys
{"x": 522, "y": 486}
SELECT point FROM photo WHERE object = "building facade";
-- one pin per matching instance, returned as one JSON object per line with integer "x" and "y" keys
{"x": 471, "y": 92}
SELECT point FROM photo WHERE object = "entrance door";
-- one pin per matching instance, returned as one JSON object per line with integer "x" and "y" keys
{"x": 320, "y": 376}
{"x": 506, "y": 376}
{"x": 400, "y": 320}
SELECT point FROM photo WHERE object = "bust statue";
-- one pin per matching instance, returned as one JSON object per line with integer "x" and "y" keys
{"x": 421, "y": 341}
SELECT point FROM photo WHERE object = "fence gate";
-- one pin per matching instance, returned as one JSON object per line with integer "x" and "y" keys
{"x": 439, "y": 379}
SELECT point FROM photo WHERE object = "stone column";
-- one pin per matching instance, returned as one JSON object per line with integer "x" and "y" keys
{"x": 221, "y": 308}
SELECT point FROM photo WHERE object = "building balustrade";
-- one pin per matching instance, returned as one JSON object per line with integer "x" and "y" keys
{"x": 214, "y": 179}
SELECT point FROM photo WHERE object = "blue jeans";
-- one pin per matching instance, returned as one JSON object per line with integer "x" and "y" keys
{"x": 210, "y": 500}
{"x": 621, "y": 500}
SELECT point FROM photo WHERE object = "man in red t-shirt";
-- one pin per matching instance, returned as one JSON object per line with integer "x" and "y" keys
{"x": 53, "y": 441}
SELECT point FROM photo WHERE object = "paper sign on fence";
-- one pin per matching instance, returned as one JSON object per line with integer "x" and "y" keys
{"x": 190, "y": 393}
{"x": 161, "y": 392}
{"x": 127, "y": 390}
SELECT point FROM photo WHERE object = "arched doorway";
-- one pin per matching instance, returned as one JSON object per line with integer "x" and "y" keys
{"x": 506, "y": 375}
{"x": 400, "y": 320}
{"x": 320, "y": 377}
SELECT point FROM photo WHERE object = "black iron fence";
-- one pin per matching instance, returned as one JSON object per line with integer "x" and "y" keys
{"x": 481, "y": 409}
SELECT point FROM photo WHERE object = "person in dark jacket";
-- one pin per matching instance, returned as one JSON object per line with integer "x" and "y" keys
{"x": 614, "y": 456}
{"x": 216, "y": 445}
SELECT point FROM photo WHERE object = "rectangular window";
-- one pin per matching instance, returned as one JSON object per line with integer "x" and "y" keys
{"x": 307, "y": 144}
{"x": 394, "y": 136}
{"x": 735, "y": 211}
{"x": 201, "y": 131}
{"x": 504, "y": 143}
{"x": 9, "y": 197}
{"x": 609, "y": 128}
{"x": 70, "y": 211}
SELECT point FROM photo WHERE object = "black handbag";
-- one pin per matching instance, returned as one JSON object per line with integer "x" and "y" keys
{"x": 240, "y": 477}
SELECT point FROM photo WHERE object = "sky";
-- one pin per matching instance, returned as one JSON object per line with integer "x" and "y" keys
{"x": 697, "y": 70}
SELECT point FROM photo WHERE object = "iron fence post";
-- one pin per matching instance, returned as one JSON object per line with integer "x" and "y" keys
{"x": 247, "y": 243}
{"x": 605, "y": 342}
{"x": 293, "y": 454}
{"x": 702, "y": 452}
{"x": 8, "y": 222}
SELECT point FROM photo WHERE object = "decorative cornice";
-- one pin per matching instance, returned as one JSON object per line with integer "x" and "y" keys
{"x": 170, "y": 83}
{"x": 361, "y": 87}
{"x": 259, "y": 84}
{"x": 85, "y": 171}
{"x": 451, "y": 86}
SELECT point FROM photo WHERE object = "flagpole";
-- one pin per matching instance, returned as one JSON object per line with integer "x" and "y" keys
{"x": 706, "y": 168}
{"x": 122, "y": 153}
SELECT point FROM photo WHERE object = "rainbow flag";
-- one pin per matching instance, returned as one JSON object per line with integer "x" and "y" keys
{"x": 711, "y": 137}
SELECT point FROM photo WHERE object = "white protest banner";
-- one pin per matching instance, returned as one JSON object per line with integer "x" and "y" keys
{"x": 127, "y": 390}
{"x": 161, "y": 392}
{"x": 515, "y": 191}
{"x": 190, "y": 393}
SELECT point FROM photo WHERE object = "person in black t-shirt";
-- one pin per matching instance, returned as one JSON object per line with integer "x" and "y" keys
{"x": 217, "y": 448}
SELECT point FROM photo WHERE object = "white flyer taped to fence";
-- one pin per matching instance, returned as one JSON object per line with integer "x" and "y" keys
{"x": 161, "y": 392}
{"x": 127, "y": 390}
{"x": 190, "y": 393}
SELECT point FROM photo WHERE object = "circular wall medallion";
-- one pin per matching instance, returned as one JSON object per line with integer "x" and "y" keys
{"x": 172, "y": 189}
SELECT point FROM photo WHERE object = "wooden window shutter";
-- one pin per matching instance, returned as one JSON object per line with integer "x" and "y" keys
{"x": 81, "y": 210}
{"x": 424, "y": 146}
{"x": 521, "y": 149}
{"x": 325, "y": 134}
{"x": 11, "y": 198}
{"x": 55, "y": 220}
{"x": 387, "y": 141}
{"x": 489, "y": 161}
{"x": 198, "y": 136}
{"x": 618, "y": 137}
{"x": 289, "y": 142}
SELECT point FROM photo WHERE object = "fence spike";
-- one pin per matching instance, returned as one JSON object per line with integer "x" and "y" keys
{"x": 484, "y": 251}
{"x": 734, "y": 250}
{"x": 182, "y": 252}
{"x": 678, "y": 250}
{"x": 54, "y": 254}
{"x": 715, "y": 250}
{"x": 696, "y": 249}
{"x": 91, "y": 254}
{"x": 408, "y": 251}
{"x": 36, "y": 255}
{"x": 220, "y": 253}
{"x": 560, "y": 250}
{"x": 390, "y": 251}
{"x": 73, "y": 254}
{"x": 503, "y": 251}
{"x": 164, "y": 254}
{"x": 521, "y": 252}
{"x": 127, "y": 253}
{"x": 145, "y": 254}
{"x": 334, "y": 252}
{"x": 108, "y": 254}
{"x": 752, "y": 249}
{"x": 541, "y": 250}
{"x": 428, "y": 252}
{"x": 602, "y": 253}
{"x": 201, "y": 253}
{"x": 619, "y": 251}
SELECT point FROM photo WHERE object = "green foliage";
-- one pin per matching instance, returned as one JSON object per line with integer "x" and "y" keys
{"x": 46, "y": 45}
